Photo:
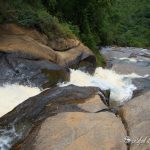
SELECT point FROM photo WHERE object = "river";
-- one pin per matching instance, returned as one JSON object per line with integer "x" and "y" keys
{"x": 126, "y": 75}
{"x": 127, "y": 70}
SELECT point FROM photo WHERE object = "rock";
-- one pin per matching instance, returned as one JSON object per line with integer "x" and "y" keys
{"x": 93, "y": 104}
{"x": 122, "y": 56}
{"x": 50, "y": 100}
{"x": 77, "y": 56}
{"x": 48, "y": 103}
{"x": 131, "y": 68}
{"x": 39, "y": 73}
{"x": 13, "y": 29}
{"x": 30, "y": 44}
{"x": 125, "y": 52}
{"x": 136, "y": 115}
{"x": 142, "y": 84}
{"x": 26, "y": 58}
{"x": 26, "y": 47}
{"x": 62, "y": 44}
{"x": 129, "y": 60}
{"x": 77, "y": 131}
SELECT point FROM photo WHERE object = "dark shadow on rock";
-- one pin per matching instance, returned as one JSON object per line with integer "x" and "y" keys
{"x": 86, "y": 65}
{"x": 15, "y": 69}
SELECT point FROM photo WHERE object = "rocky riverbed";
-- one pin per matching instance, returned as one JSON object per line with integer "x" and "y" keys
{"x": 85, "y": 109}
{"x": 129, "y": 60}
{"x": 135, "y": 114}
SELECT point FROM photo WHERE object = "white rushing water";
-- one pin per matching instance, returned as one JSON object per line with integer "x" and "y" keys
{"x": 7, "y": 136}
{"x": 127, "y": 59}
{"x": 14, "y": 94}
{"x": 134, "y": 60}
{"x": 121, "y": 86}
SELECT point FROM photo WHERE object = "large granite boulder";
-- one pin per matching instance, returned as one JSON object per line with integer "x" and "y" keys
{"x": 27, "y": 58}
{"x": 13, "y": 29}
{"x": 77, "y": 131}
{"x": 136, "y": 116}
{"x": 31, "y": 44}
{"x": 49, "y": 103}
{"x": 26, "y": 46}
{"x": 56, "y": 100}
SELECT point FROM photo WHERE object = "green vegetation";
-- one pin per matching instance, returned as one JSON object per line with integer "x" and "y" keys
{"x": 94, "y": 22}
{"x": 106, "y": 22}
{"x": 32, "y": 13}
{"x": 130, "y": 20}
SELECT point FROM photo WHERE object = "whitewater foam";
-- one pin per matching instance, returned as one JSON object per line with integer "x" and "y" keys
{"x": 121, "y": 86}
{"x": 128, "y": 59}
{"x": 7, "y": 136}
{"x": 13, "y": 94}
{"x": 133, "y": 60}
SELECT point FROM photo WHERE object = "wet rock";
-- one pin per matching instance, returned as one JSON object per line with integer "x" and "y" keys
{"x": 14, "y": 69}
{"x": 129, "y": 68}
{"x": 132, "y": 55}
{"x": 77, "y": 131}
{"x": 142, "y": 84}
{"x": 49, "y": 103}
{"x": 54, "y": 100}
{"x": 119, "y": 52}
{"x": 128, "y": 60}
{"x": 142, "y": 69}
{"x": 136, "y": 116}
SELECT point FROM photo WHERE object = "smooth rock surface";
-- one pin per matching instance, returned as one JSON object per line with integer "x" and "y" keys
{"x": 50, "y": 102}
{"x": 79, "y": 57}
{"x": 125, "y": 52}
{"x": 31, "y": 44}
{"x": 77, "y": 131}
{"x": 131, "y": 68}
{"x": 55, "y": 100}
{"x": 136, "y": 115}
{"x": 13, "y": 29}
{"x": 26, "y": 45}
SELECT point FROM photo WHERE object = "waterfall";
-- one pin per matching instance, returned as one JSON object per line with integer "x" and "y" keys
{"x": 120, "y": 86}
{"x": 13, "y": 94}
